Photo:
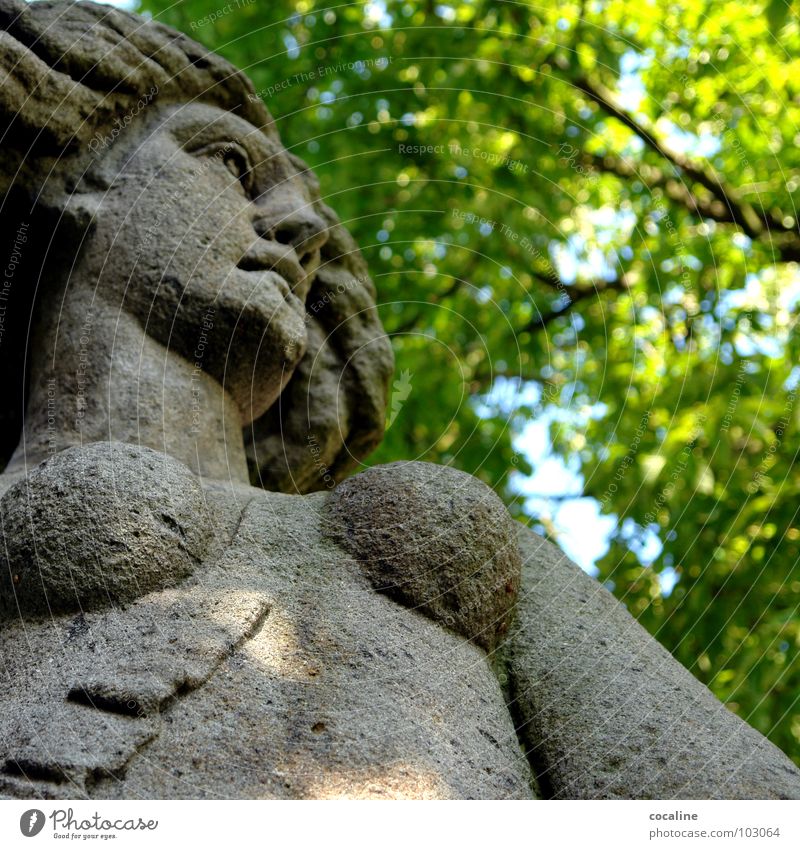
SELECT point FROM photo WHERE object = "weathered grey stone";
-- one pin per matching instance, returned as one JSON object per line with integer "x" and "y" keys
{"x": 435, "y": 539}
{"x": 97, "y": 525}
{"x": 91, "y": 63}
{"x": 333, "y": 411}
{"x": 604, "y": 710}
{"x": 276, "y": 672}
{"x": 85, "y": 154}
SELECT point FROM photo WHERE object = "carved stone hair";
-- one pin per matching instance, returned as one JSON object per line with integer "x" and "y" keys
{"x": 67, "y": 71}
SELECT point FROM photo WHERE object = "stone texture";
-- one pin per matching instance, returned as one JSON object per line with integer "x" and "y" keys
{"x": 90, "y": 63}
{"x": 336, "y": 400}
{"x": 605, "y": 712}
{"x": 276, "y": 672}
{"x": 98, "y": 525}
{"x": 95, "y": 69}
{"x": 435, "y": 539}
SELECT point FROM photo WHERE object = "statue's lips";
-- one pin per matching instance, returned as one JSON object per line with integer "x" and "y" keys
{"x": 278, "y": 258}
{"x": 272, "y": 279}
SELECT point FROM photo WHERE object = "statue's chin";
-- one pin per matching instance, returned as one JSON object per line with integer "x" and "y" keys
{"x": 268, "y": 339}
{"x": 249, "y": 333}
{"x": 261, "y": 401}
{"x": 263, "y": 386}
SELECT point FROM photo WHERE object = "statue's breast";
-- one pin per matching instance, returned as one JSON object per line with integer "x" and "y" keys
{"x": 282, "y": 669}
{"x": 337, "y": 690}
{"x": 435, "y": 539}
{"x": 98, "y": 525}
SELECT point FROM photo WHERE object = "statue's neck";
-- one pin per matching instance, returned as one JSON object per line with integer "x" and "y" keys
{"x": 95, "y": 376}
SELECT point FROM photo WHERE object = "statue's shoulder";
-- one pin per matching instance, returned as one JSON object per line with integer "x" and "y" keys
{"x": 434, "y": 538}
{"x": 97, "y": 525}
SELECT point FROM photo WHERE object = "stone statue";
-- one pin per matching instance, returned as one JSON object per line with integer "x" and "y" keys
{"x": 195, "y": 599}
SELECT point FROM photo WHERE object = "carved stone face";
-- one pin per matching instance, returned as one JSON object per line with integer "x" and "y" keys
{"x": 207, "y": 235}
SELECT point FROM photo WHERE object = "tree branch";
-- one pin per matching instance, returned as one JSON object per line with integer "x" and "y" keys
{"x": 575, "y": 296}
{"x": 786, "y": 240}
{"x": 741, "y": 212}
{"x": 655, "y": 178}
{"x": 458, "y": 282}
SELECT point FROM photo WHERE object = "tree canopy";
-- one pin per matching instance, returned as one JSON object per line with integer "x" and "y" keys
{"x": 581, "y": 214}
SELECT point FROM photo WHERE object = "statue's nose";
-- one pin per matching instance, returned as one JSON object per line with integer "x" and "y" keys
{"x": 295, "y": 225}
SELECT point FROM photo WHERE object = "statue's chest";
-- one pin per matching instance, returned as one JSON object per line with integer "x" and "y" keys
{"x": 340, "y": 692}
{"x": 276, "y": 671}
{"x": 337, "y": 689}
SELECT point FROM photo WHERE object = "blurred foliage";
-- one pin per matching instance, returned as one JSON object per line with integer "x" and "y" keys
{"x": 602, "y": 215}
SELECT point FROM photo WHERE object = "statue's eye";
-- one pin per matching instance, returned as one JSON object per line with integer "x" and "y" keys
{"x": 233, "y": 157}
{"x": 236, "y": 164}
